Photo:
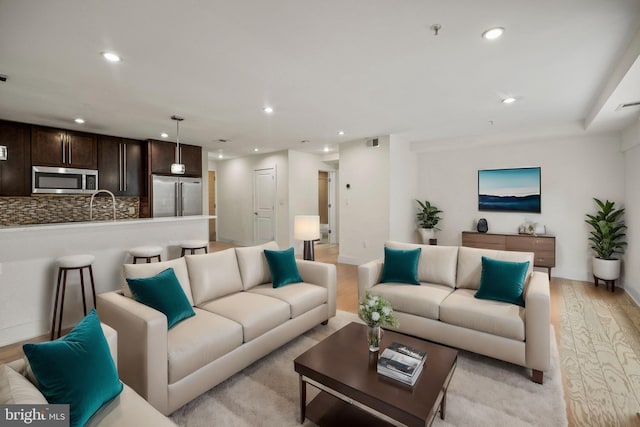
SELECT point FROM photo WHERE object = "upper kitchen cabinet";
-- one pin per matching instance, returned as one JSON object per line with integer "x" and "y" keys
{"x": 65, "y": 148}
{"x": 15, "y": 172}
{"x": 163, "y": 153}
{"x": 121, "y": 165}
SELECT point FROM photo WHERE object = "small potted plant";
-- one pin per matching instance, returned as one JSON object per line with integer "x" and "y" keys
{"x": 428, "y": 218}
{"x": 607, "y": 236}
{"x": 376, "y": 312}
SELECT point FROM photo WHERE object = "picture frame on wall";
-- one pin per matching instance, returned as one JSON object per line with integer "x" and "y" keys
{"x": 510, "y": 190}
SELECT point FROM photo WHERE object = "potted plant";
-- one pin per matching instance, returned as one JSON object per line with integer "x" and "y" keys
{"x": 607, "y": 236}
{"x": 428, "y": 219}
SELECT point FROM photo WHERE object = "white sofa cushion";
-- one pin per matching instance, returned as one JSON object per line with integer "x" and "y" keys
{"x": 256, "y": 313}
{"x": 437, "y": 264}
{"x": 461, "y": 308}
{"x": 422, "y": 300}
{"x": 179, "y": 266}
{"x": 301, "y": 297}
{"x": 213, "y": 275}
{"x": 199, "y": 340}
{"x": 254, "y": 269}
{"x": 17, "y": 390}
{"x": 470, "y": 264}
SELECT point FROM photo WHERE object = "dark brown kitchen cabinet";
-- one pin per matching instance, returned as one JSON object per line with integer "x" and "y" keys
{"x": 15, "y": 172}
{"x": 120, "y": 165}
{"x": 163, "y": 153}
{"x": 64, "y": 148}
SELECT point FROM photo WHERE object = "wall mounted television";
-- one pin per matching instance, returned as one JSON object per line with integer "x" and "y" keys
{"x": 509, "y": 190}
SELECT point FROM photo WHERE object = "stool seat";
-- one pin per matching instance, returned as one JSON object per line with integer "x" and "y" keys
{"x": 75, "y": 261}
{"x": 194, "y": 244}
{"x": 146, "y": 251}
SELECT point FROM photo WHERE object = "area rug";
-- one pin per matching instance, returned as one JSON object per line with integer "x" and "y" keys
{"x": 483, "y": 392}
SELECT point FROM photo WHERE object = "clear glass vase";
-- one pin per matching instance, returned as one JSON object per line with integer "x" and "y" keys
{"x": 374, "y": 337}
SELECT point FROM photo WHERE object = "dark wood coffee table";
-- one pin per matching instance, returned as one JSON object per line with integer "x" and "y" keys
{"x": 354, "y": 394}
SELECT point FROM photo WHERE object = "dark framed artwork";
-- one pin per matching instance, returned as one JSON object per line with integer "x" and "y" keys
{"x": 509, "y": 190}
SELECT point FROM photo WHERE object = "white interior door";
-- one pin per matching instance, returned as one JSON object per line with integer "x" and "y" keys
{"x": 264, "y": 205}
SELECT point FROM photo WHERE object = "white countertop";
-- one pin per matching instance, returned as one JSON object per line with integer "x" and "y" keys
{"x": 93, "y": 224}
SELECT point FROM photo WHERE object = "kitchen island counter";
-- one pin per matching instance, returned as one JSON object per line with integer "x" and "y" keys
{"x": 28, "y": 264}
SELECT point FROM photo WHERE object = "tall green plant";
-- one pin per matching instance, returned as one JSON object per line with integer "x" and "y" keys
{"x": 428, "y": 216}
{"x": 608, "y": 230}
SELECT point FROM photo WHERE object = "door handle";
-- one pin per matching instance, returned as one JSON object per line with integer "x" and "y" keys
{"x": 69, "y": 145}
{"x": 119, "y": 167}
{"x": 124, "y": 167}
{"x": 181, "y": 199}
{"x": 175, "y": 206}
{"x": 62, "y": 143}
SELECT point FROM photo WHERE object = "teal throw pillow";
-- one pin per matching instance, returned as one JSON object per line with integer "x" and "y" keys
{"x": 502, "y": 280}
{"x": 76, "y": 369}
{"x": 283, "y": 267}
{"x": 401, "y": 266}
{"x": 164, "y": 293}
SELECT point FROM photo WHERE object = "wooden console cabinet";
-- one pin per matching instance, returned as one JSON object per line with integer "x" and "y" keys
{"x": 544, "y": 247}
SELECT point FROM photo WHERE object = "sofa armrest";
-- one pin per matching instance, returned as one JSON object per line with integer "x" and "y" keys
{"x": 142, "y": 345}
{"x": 368, "y": 276}
{"x": 321, "y": 274}
{"x": 537, "y": 321}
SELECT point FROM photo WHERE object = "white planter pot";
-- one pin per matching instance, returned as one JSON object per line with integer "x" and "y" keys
{"x": 606, "y": 269}
{"x": 426, "y": 234}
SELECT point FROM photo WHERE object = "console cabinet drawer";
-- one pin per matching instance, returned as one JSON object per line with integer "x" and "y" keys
{"x": 530, "y": 243}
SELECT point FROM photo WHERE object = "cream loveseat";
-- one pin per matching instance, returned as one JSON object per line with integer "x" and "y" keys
{"x": 127, "y": 409}
{"x": 443, "y": 308}
{"x": 239, "y": 318}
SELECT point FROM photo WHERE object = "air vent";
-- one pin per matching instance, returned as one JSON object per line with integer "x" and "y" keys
{"x": 373, "y": 142}
{"x": 3, "y": 78}
{"x": 628, "y": 104}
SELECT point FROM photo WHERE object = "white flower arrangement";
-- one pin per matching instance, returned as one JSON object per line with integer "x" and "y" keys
{"x": 376, "y": 311}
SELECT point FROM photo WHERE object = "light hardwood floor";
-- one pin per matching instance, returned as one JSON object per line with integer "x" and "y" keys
{"x": 598, "y": 335}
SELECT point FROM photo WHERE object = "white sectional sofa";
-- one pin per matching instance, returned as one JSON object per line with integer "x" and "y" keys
{"x": 127, "y": 409}
{"x": 443, "y": 308}
{"x": 239, "y": 318}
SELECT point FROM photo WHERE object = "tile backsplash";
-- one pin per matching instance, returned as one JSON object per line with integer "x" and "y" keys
{"x": 47, "y": 209}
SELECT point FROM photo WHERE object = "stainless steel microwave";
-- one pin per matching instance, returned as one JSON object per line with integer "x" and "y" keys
{"x": 53, "y": 180}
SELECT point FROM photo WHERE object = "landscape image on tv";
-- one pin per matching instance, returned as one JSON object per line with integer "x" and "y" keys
{"x": 509, "y": 190}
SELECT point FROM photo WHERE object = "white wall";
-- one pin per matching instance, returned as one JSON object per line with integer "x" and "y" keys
{"x": 235, "y": 198}
{"x": 403, "y": 190}
{"x": 303, "y": 187}
{"x": 364, "y": 207}
{"x": 574, "y": 169}
{"x": 631, "y": 141}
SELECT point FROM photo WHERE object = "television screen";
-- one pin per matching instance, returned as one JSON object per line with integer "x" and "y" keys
{"x": 509, "y": 190}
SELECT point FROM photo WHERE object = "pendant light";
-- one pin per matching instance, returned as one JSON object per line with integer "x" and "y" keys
{"x": 177, "y": 167}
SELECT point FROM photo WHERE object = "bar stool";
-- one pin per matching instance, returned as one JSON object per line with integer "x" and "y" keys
{"x": 146, "y": 252}
{"x": 65, "y": 264}
{"x": 193, "y": 246}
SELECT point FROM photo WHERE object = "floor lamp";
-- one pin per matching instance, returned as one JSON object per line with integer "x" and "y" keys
{"x": 307, "y": 229}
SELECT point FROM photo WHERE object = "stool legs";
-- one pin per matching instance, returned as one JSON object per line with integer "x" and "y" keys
{"x": 148, "y": 258}
{"x": 62, "y": 283}
{"x": 193, "y": 250}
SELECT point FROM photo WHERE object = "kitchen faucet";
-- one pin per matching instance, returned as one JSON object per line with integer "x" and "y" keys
{"x": 113, "y": 200}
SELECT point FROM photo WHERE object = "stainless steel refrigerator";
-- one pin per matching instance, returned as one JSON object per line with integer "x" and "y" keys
{"x": 173, "y": 196}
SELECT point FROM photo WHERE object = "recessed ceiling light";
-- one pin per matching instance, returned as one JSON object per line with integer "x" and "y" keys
{"x": 220, "y": 155}
{"x": 326, "y": 149}
{"x": 268, "y": 110}
{"x": 164, "y": 135}
{"x": 79, "y": 120}
{"x": 509, "y": 100}
{"x": 341, "y": 132}
{"x": 111, "y": 57}
{"x": 493, "y": 33}
{"x": 256, "y": 149}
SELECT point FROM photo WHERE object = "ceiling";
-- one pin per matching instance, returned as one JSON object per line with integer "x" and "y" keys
{"x": 368, "y": 67}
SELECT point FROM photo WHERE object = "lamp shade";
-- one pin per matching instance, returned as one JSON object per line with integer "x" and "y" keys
{"x": 306, "y": 227}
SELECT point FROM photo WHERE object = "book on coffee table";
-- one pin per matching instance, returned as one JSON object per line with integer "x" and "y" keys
{"x": 401, "y": 362}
